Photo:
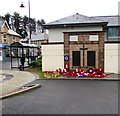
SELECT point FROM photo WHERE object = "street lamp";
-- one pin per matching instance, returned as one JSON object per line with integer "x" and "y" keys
{"x": 22, "y": 6}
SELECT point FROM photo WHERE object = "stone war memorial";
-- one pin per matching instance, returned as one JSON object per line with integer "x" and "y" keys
{"x": 82, "y": 42}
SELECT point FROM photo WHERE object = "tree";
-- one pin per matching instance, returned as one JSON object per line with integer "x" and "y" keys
{"x": 22, "y": 24}
{"x": 32, "y": 24}
{"x": 42, "y": 21}
{"x": 17, "y": 19}
{"x": 1, "y": 17}
{"x": 24, "y": 30}
{"x": 39, "y": 27}
{"x": 40, "y": 24}
{"x": 7, "y": 18}
{"x": 25, "y": 21}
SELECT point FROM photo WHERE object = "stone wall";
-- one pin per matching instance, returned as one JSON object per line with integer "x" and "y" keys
{"x": 83, "y": 39}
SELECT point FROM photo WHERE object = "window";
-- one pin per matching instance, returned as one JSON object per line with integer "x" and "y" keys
{"x": 4, "y": 39}
{"x": 4, "y": 29}
{"x": 114, "y": 32}
{"x": 118, "y": 31}
{"x": 73, "y": 38}
{"x": 4, "y": 36}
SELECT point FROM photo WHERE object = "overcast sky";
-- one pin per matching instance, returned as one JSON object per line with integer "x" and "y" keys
{"x": 51, "y": 10}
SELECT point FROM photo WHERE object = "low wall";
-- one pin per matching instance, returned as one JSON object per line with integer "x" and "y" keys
{"x": 52, "y": 57}
{"x": 112, "y": 58}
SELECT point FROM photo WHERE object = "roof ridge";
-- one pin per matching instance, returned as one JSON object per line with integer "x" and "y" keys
{"x": 76, "y": 17}
{"x": 95, "y": 18}
{"x": 67, "y": 17}
{"x": 106, "y": 16}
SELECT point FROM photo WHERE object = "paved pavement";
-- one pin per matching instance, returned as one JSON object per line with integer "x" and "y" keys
{"x": 13, "y": 79}
{"x": 17, "y": 80}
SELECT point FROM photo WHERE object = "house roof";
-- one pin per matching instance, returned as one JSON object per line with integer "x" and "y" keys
{"x": 11, "y": 32}
{"x": 37, "y": 37}
{"x": 112, "y": 20}
{"x": 21, "y": 45}
{"x": 76, "y": 19}
{"x": 2, "y": 22}
{"x": 40, "y": 36}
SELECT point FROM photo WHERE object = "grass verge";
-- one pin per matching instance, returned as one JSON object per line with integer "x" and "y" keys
{"x": 36, "y": 70}
{"x": 42, "y": 75}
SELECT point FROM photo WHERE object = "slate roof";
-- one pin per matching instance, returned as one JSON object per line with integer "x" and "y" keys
{"x": 41, "y": 36}
{"x": 1, "y": 23}
{"x": 76, "y": 19}
{"x": 19, "y": 44}
{"x": 112, "y": 20}
{"x": 11, "y": 32}
{"x": 82, "y": 19}
{"x": 37, "y": 37}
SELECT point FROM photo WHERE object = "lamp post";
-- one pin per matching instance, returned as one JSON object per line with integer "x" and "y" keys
{"x": 22, "y": 6}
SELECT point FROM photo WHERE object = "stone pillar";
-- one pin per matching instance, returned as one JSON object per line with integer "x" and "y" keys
{"x": 101, "y": 50}
{"x": 66, "y": 47}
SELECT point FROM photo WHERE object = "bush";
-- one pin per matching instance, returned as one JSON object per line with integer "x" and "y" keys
{"x": 36, "y": 63}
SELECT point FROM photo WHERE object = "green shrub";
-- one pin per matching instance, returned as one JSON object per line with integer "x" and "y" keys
{"x": 36, "y": 63}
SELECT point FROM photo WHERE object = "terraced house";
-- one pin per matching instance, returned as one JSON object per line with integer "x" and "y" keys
{"x": 7, "y": 37}
{"x": 80, "y": 41}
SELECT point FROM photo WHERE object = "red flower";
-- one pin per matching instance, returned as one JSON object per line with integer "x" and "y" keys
{"x": 99, "y": 76}
{"x": 86, "y": 74}
{"x": 94, "y": 73}
{"x": 76, "y": 70}
{"x": 90, "y": 70}
{"x": 60, "y": 70}
{"x": 95, "y": 70}
{"x": 82, "y": 73}
{"x": 100, "y": 70}
{"x": 104, "y": 75}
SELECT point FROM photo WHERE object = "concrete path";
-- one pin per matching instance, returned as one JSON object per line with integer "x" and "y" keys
{"x": 14, "y": 80}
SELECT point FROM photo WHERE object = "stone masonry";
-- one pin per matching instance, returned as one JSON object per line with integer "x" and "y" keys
{"x": 83, "y": 40}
